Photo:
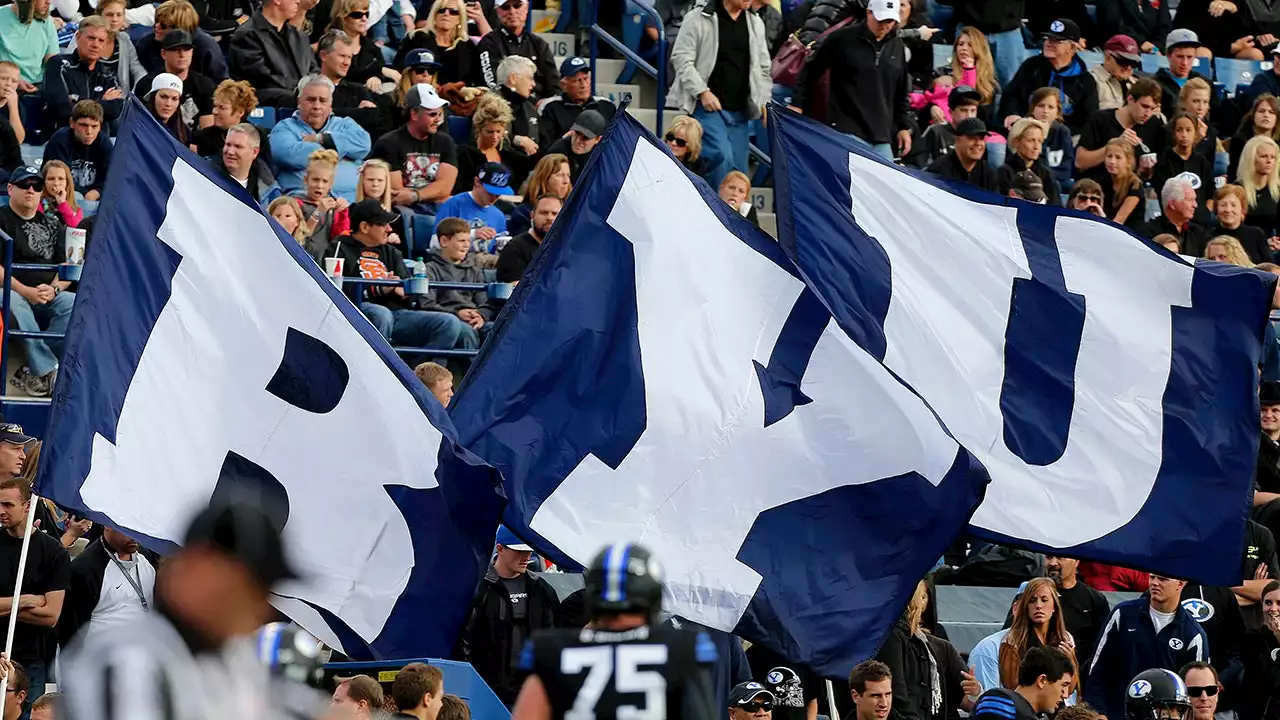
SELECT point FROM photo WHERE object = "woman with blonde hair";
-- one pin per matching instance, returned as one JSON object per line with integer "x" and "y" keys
{"x": 374, "y": 181}
{"x": 684, "y": 140}
{"x": 929, "y": 678}
{"x": 1226, "y": 249}
{"x": 490, "y": 142}
{"x": 444, "y": 33}
{"x": 550, "y": 177}
{"x": 367, "y": 65}
{"x": 288, "y": 212}
{"x": 1259, "y": 175}
{"x": 1037, "y": 622}
{"x": 1026, "y": 152}
{"x": 971, "y": 65}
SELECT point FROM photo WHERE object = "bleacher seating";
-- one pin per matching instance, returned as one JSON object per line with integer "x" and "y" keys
{"x": 263, "y": 117}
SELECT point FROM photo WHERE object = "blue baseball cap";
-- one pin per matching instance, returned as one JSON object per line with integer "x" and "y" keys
{"x": 508, "y": 540}
{"x": 574, "y": 65}
{"x": 495, "y": 178}
{"x": 421, "y": 57}
{"x": 24, "y": 173}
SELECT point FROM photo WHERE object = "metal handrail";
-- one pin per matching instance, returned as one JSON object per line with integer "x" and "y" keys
{"x": 659, "y": 73}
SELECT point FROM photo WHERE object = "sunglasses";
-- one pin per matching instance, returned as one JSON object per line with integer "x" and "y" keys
{"x": 1127, "y": 63}
{"x": 678, "y": 142}
{"x": 30, "y": 185}
{"x": 449, "y": 11}
{"x": 1090, "y": 198}
{"x": 358, "y": 14}
{"x": 1198, "y": 690}
{"x": 421, "y": 69}
{"x": 756, "y": 707}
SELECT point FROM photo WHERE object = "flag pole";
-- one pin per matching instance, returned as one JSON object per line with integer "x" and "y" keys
{"x": 831, "y": 700}
{"x": 17, "y": 589}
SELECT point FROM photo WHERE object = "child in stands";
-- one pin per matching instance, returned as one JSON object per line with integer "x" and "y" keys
{"x": 324, "y": 214}
{"x": 59, "y": 199}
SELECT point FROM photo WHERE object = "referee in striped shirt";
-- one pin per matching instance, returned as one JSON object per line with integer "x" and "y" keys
{"x": 191, "y": 657}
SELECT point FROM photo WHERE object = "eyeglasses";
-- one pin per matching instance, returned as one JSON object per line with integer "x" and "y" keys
{"x": 756, "y": 707}
{"x": 358, "y": 14}
{"x": 449, "y": 11}
{"x": 1089, "y": 198}
{"x": 30, "y": 185}
{"x": 1198, "y": 690}
{"x": 677, "y": 141}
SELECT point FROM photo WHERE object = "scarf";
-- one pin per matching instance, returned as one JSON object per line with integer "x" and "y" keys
{"x": 935, "y": 680}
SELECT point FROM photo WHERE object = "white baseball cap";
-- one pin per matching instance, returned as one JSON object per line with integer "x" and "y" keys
{"x": 884, "y": 10}
{"x": 423, "y": 95}
{"x": 164, "y": 81}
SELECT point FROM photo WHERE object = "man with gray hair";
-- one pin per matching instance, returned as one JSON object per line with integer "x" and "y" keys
{"x": 314, "y": 127}
{"x": 272, "y": 54}
{"x": 239, "y": 162}
{"x": 373, "y": 111}
{"x": 1178, "y": 200}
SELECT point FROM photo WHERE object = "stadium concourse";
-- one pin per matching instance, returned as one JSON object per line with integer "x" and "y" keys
{"x": 423, "y": 151}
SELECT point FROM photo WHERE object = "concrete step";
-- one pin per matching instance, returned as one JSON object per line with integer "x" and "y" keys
{"x": 616, "y": 93}
{"x": 768, "y": 223}
{"x": 562, "y": 45}
{"x": 762, "y": 198}
{"x": 649, "y": 117}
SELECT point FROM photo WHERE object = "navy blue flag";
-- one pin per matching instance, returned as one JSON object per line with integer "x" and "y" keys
{"x": 208, "y": 355}
{"x": 661, "y": 375}
{"x": 1108, "y": 385}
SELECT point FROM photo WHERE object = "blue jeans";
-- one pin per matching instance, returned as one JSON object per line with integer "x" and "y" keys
{"x": 1008, "y": 51}
{"x": 415, "y": 328}
{"x": 37, "y": 674}
{"x": 725, "y": 136}
{"x": 884, "y": 150}
{"x": 53, "y": 316}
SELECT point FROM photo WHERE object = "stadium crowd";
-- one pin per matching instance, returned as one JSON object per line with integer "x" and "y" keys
{"x": 369, "y": 131}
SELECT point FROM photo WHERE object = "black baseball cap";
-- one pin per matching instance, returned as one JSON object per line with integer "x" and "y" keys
{"x": 574, "y": 65}
{"x": 247, "y": 533}
{"x": 1063, "y": 29}
{"x": 369, "y": 211}
{"x": 177, "y": 38}
{"x": 590, "y": 123}
{"x": 1028, "y": 186}
{"x": 495, "y": 178}
{"x": 971, "y": 126}
{"x": 1268, "y": 393}
{"x": 962, "y": 93}
{"x": 12, "y": 433}
{"x": 25, "y": 173}
{"x": 745, "y": 692}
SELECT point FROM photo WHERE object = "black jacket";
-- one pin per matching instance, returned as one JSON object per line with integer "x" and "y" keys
{"x": 208, "y": 59}
{"x": 1014, "y": 164}
{"x": 219, "y": 17}
{"x": 377, "y": 120}
{"x": 1037, "y": 72}
{"x": 826, "y": 13}
{"x": 68, "y": 80}
{"x": 1169, "y": 89}
{"x": 273, "y": 61}
{"x": 948, "y": 166}
{"x": 908, "y": 659}
{"x": 10, "y": 150}
{"x": 557, "y": 114}
{"x": 990, "y": 16}
{"x": 870, "y": 84}
{"x": 1041, "y": 13}
{"x": 1144, "y": 20}
{"x": 524, "y": 114}
{"x": 1260, "y": 698}
{"x": 499, "y": 43}
{"x": 487, "y": 638}
{"x": 1191, "y": 239}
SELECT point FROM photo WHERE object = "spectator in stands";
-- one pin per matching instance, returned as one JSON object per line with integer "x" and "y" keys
{"x": 418, "y": 691}
{"x": 1026, "y": 185}
{"x": 684, "y": 140}
{"x": 557, "y": 114}
{"x": 44, "y": 708}
{"x": 369, "y": 252}
{"x": 906, "y": 652}
{"x": 1168, "y": 242}
{"x": 288, "y": 212}
{"x": 550, "y": 177}
{"x": 967, "y": 161}
{"x": 1084, "y": 610}
{"x": 120, "y": 57}
{"x": 1038, "y": 620}
{"x": 272, "y": 54}
{"x": 1146, "y": 21}
{"x": 1135, "y": 124}
{"x": 59, "y": 198}
{"x": 16, "y": 695}
{"x": 1086, "y": 196}
{"x": 233, "y": 101}
{"x": 454, "y": 708}
{"x": 1216, "y": 609}
{"x": 1259, "y": 175}
{"x": 44, "y": 584}
{"x": 240, "y": 162}
{"x": 515, "y": 257}
{"x": 1120, "y": 57}
{"x": 1229, "y": 204}
{"x": 1153, "y": 631}
{"x": 29, "y": 40}
{"x": 10, "y": 151}
{"x": 369, "y": 108}
{"x": 871, "y": 686}
{"x": 360, "y": 695}
{"x": 1261, "y": 562}
{"x": 1181, "y": 47}
{"x": 1259, "y": 120}
{"x": 940, "y": 138}
{"x": 1261, "y": 683}
{"x": 869, "y": 84}
{"x": 1180, "y": 157}
{"x": 312, "y": 127}
{"x": 444, "y": 35}
{"x": 220, "y": 18}
{"x": 1059, "y": 151}
{"x": 1178, "y": 199}
{"x": 423, "y": 160}
{"x": 972, "y": 66}
{"x": 1060, "y": 68}
{"x": 436, "y": 378}
{"x": 164, "y": 100}
{"x": 1226, "y": 249}
{"x": 454, "y": 262}
{"x": 1195, "y": 99}
{"x": 581, "y": 140}
{"x": 1000, "y": 21}
{"x": 1026, "y": 143}
{"x": 721, "y": 65}
{"x": 1044, "y": 679}
{"x": 83, "y": 148}
{"x": 1203, "y": 687}
{"x": 1264, "y": 83}
{"x": 81, "y": 75}
{"x": 196, "y": 106}
{"x": 478, "y": 206}
{"x": 39, "y": 300}
{"x": 515, "y": 76}
{"x": 367, "y": 65}
{"x": 510, "y": 605}
{"x": 511, "y": 38}
{"x": 111, "y": 584}
{"x": 735, "y": 190}
{"x": 375, "y": 182}
{"x": 1222, "y": 30}
{"x": 324, "y": 215}
{"x": 208, "y": 59}
{"x": 10, "y": 109}
{"x": 490, "y": 126}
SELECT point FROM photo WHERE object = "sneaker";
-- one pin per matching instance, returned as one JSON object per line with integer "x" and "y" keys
{"x": 41, "y": 386}
{"x": 20, "y": 378}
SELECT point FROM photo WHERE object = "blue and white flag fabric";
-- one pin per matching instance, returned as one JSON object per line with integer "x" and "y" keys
{"x": 207, "y": 350}
{"x": 661, "y": 375}
{"x": 1107, "y": 385}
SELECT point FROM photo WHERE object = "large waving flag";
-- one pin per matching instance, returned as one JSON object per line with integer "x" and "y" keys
{"x": 662, "y": 375}
{"x": 1108, "y": 386}
{"x": 208, "y": 352}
